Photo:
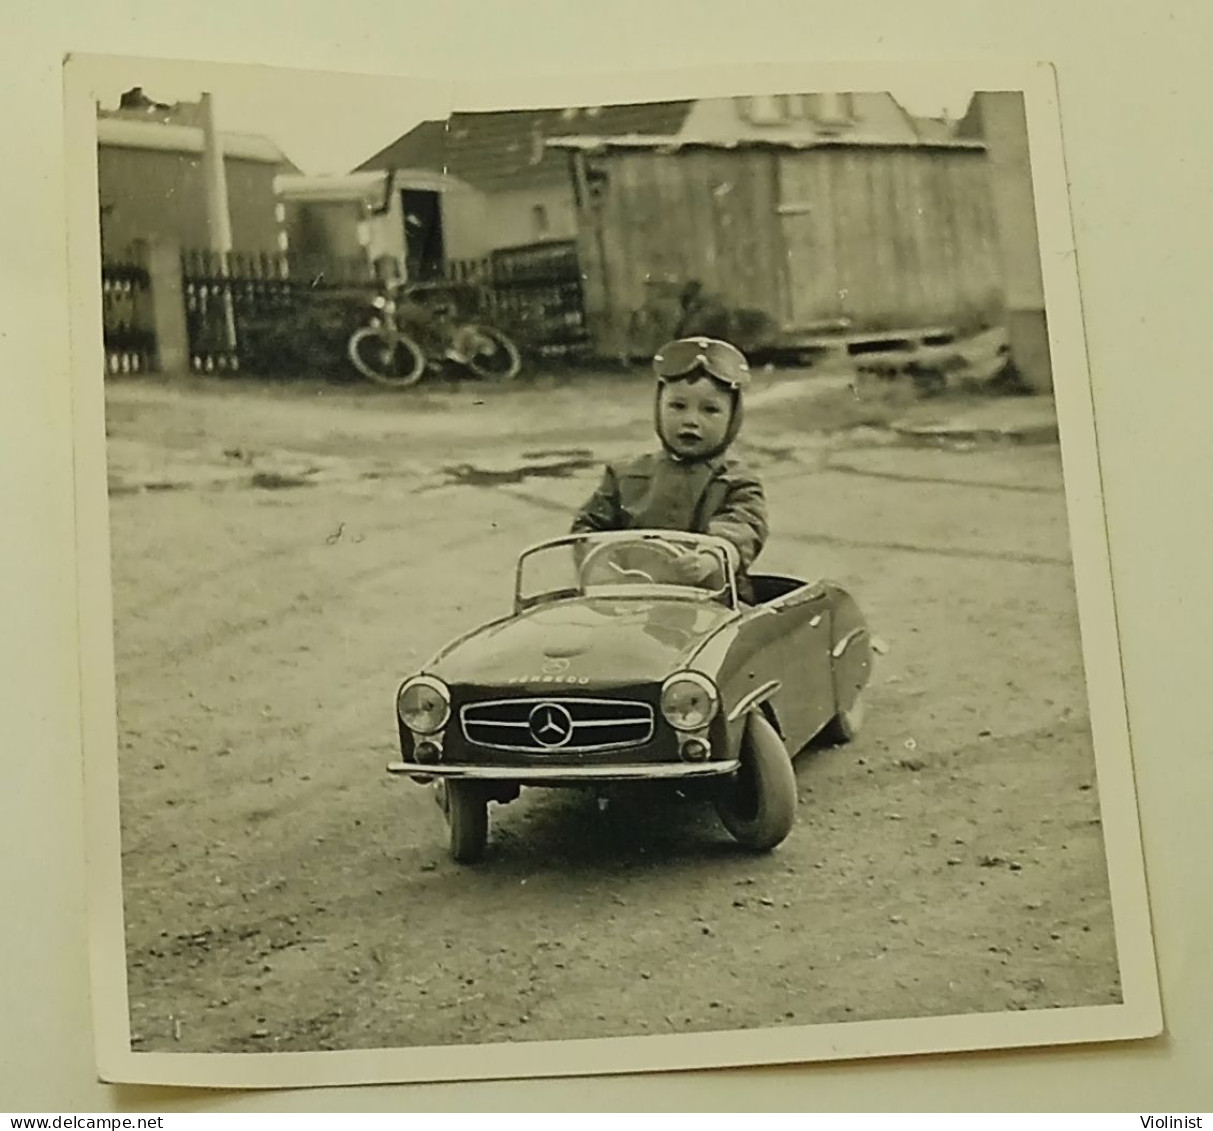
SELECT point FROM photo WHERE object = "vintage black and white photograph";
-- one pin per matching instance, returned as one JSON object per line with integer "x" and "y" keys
{"x": 586, "y": 569}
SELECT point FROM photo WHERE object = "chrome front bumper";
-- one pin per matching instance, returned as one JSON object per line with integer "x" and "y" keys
{"x": 537, "y": 775}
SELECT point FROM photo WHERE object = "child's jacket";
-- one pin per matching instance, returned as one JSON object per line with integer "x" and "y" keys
{"x": 718, "y": 496}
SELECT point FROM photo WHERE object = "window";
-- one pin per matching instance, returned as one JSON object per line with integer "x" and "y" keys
{"x": 832, "y": 108}
{"x": 539, "y": 220}
{"x": 767, "y": 109}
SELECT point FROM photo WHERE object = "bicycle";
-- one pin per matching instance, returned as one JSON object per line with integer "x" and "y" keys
{"x": 421, "y": 326}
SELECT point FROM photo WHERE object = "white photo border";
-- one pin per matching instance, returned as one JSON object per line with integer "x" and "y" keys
{"x": 1138, "y": 1016}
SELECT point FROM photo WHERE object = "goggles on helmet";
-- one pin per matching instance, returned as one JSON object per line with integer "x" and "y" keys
{"x": 724, "y": 362}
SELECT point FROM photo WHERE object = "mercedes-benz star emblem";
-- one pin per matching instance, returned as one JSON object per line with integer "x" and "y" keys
{"x": 551, "y": 724}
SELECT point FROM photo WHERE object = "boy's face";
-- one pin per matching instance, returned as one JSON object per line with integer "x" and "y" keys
{"x": 694, "y": 416}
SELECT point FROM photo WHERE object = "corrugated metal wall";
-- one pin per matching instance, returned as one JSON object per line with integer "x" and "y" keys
{"x": 884, "y": 238}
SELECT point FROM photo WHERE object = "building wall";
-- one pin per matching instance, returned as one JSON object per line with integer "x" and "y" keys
{"x": 999, "y": 118}
{"x": 159, "y": 193}
{"x": 465, "y": 222}
{"x": 1005, "y": 132}
{"x": 513, "y": 220}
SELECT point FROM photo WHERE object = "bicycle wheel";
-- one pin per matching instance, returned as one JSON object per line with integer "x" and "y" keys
{"x": 490, "y": 354}
{"x": 394, "y": 359}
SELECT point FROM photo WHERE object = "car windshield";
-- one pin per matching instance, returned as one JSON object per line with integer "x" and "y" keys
{"x": 627, "y": 564}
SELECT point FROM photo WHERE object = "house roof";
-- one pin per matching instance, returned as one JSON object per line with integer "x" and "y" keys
{"x": 505, "y": 149}
{"x": 129, "y": 133}
{"x": 670, "y": 144}
{"x": 348, "y": 187}
{"x": 934, "y": 129}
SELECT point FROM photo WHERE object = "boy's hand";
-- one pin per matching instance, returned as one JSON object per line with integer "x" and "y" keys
{"x": 693, "y": 568}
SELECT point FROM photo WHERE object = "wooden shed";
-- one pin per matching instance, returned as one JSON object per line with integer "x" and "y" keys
{"x": 825, "y": 237}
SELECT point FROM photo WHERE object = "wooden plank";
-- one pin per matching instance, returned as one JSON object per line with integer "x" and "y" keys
{"x": 723, "y": 235}
{"x": 849, "y": 269}
{"x": 811, "y": 262}
{"x": 958, "y": 297}
{"x": 788, "y": 226}
{"x": 795, "y": 219}
{"x": 966, "y": 191}
{"x": 668, "y": 246}
{"x": 742, "y": 228}
{"x": 612, "y": 249}
{"x": 817, "y": 267}
{"x": 880, "y": 290}
{"x": 990, "y": 249}
{"x": 812, "y": 237}
{"x": 899, "y": 213}
{"x": 932, "y": 247}
{"x": 683, "y": 244}
{"x": 921, "y": 250}
{"x": 750, "y": 282}
{"x": 786, "y": 305}
{"x": 963, "y": 299}
{"x": 828, "y": 287}
{"x": 636, "y": 216}
{"x": 641, "y": 215}
{"x": 768, "y": 263}
{"x": 700, "y": 179}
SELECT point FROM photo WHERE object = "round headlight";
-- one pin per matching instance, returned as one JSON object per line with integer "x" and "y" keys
{"x": 424, "y": 704}
{"x": 688, "y": 701}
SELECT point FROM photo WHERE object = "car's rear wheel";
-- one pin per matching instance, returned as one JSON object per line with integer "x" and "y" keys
{"x": 846, "y": 724}
{"x": 466, "y": 806}
{"x": 758, "y": 804}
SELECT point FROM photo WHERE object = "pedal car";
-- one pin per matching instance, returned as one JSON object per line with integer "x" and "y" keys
{"x": 610, "y": 668}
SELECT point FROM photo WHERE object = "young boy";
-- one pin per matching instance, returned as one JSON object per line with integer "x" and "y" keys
{"x": 692, "y": 484}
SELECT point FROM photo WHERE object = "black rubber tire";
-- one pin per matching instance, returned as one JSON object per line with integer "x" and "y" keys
{"x": 845, "y": 725}
{"x": 758, "y": 804}
{"x": 467, "y": 818}
{"x": 504, "y": 351}
{"x": 397, "y": 361}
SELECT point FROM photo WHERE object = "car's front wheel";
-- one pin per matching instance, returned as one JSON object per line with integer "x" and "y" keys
{"x": 758, "y": 804}
{"x": 466, "y": 807}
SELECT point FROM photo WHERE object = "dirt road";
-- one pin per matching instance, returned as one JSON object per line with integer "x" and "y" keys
{"x": 283, "y": 893}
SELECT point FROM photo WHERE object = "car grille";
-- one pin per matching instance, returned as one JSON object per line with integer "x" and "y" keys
{"x": 558, "y": 725}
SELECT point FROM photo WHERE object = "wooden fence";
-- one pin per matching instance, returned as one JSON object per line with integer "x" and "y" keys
{"x": 126, "y": 315}
{"x": 537, "y": 291}
{"x": 238, "y": 308}
{"x": 226, "y": 296}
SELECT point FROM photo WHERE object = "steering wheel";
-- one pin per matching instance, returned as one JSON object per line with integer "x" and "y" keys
{"x": 658, "y": 553}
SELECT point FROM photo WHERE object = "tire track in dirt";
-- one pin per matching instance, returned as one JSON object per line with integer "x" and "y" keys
{"x": 934, "y": 551}
{"x": 223, "y": 571}
{"x": 272, "y": 616}
{"x": 831, "y": 464}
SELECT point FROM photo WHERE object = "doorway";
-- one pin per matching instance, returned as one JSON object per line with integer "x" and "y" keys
{"x": 424, "y": 250}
